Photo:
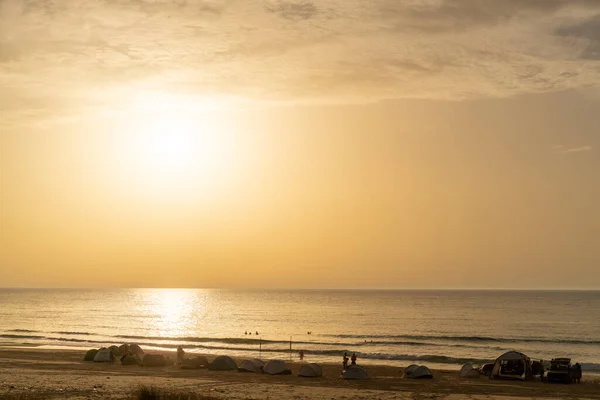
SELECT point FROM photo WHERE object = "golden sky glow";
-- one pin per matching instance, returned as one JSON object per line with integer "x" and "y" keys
{"x": 421, "y": 143}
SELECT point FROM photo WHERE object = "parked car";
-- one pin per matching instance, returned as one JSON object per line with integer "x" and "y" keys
{"x": 561, "y": 370}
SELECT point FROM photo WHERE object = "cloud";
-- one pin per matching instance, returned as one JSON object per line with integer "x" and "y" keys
{"x": 567, "y": 150}
{"x": 97, "y": 53}
{"x": 588, "y": 33}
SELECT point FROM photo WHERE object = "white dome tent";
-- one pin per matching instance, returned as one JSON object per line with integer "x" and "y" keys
{"x": 355, "y": 372}
{"x": 311, "y": 371}
{"x": 103, "y": 355}
{"x": 276, "y": 367}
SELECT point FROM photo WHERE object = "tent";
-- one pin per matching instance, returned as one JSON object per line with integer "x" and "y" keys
{"x": 512, "y": 365}
{"x": 223, "y": 363}
{"x": 414, "y": 371}
{"x": 124, "y": 349}
{"x": 252, "y": 366}
{"x": 277, "y": 367}
{"x": 134, "y": 348}
{"x": 89, "y": 356}
{"x": 468, "y": 372}
{"x": 103, "y": 355}
{"x": 155, "y": 360}
{"x": 114, "y": 351}
{"x": 131, "y": 359}
{"x": 311, "y": 371}
{"x": 355, "y": 372}
{"x": 486, "y": 369}
{"x": 194, "y": 363}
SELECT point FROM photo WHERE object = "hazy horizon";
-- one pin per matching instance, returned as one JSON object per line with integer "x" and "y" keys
{"x": 300, "y": 144}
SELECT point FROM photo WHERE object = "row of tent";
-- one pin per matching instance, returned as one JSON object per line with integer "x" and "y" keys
{"x": 107, "y": 354}
{"x": 510, "y": 365}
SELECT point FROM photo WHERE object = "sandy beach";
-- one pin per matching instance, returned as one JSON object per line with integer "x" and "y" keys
{"x": 61, "y": 374}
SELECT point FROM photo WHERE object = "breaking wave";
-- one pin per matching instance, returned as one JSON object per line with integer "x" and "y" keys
{"x": 268, "y": 346}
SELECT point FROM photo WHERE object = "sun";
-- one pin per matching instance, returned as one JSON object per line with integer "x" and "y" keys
{"x": 178, "y": 151}
{"x": 176, "y": 147}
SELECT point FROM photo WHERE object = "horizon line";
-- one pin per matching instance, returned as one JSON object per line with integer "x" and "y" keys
{"x": 301, "y": 289}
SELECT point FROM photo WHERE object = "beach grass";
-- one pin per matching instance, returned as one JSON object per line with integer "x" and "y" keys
{"x": 142, "y": 393}
{"x": 153, "y": 393}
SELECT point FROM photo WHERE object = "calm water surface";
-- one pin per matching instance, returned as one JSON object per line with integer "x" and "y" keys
{"x": 439, "y": 328}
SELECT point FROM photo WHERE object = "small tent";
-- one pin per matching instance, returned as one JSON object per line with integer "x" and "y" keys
{"x": 155, "y": 360}
{"x": 103, "y": 355}
{"x": 417, "y": 372}
{"x": 124, "y": 349}
{"x": 136, "y": 349}
{"x": 512, "y": 365}
{"x": 131, "y": 359}
{"x": 114, "y": 350}
{"x": 252, "y": 366}
{"x": 89, "y": 356}
{"x": 355, "y": 372}
{"x": 468, "y": 372}
{"x": 194, "y": 363}
{"x": 310, "y": 371}
{"x": 223, "y": 363}
{"x": 277, "y": 367}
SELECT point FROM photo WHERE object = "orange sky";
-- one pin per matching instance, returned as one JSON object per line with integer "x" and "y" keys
{"x": 297, "y": 145}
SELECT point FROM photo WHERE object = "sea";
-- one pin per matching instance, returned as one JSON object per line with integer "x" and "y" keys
{"x": 441, "y": 329}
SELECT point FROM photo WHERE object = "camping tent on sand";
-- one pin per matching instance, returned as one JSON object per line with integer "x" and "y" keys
{"x": 311, "y": 371}
{"x": 155, "y": 360}
{"x": 512, "y": 365}
{"x": 134, "y": 348}
{"x": 223, "y": 363}
{"x": 103, "y": 355}
{"x": 89, "y": 356}
{"x": 414, "y": 371}
{"x": 252, "y": 366}
{"x": 355, "y": 372}
{"x": 277, "y": 367}
{"x": 124, "y": 349}
{"x": 131, "y": 359}
{"x": 468, "y": 372}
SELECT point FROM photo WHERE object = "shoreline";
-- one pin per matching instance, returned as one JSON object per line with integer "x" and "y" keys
{"x": 63, "y": 374}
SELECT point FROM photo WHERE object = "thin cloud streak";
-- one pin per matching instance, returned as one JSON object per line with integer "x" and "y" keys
{"x": 567, "y": 150}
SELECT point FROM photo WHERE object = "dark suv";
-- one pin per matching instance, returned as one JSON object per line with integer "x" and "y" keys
{"x": 561, "y": 370}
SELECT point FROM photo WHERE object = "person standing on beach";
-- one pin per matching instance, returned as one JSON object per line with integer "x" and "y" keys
{"x": 180, "y": 355}
{"x": 353, "y": 358}
{"x": 345, "y": 363}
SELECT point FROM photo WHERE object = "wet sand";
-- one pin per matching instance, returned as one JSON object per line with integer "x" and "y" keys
{"x": 61, "y": 374}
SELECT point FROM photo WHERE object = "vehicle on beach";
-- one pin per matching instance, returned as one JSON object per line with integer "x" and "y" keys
{"x": 562, "y": 371}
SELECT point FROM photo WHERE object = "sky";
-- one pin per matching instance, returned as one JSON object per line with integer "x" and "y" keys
{"x": 300, "y": 144}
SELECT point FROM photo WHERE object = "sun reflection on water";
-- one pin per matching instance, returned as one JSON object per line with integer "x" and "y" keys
{"x": 173, "y": 311}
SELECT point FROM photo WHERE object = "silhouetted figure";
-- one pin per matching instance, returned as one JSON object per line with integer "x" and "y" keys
{"x": 301, "y": 354}
{"x": 345, "y": 363}
{"x": 180, "y": 355}
{"x": 257, "y": 332}
{"x": 245, "y": 333}
{"x": 353, "y": 358}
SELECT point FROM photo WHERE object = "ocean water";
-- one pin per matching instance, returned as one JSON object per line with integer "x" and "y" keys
{"x": 443, "y": 329}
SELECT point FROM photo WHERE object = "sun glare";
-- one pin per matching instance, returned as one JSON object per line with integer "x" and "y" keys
{"x": 178, "y": 149}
